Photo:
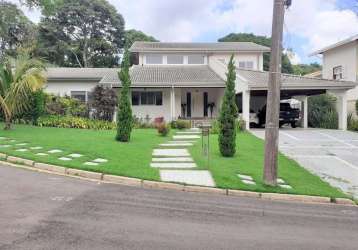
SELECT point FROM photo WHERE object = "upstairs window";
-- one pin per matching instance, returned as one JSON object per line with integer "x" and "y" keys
{"x": 147, "y": 98}
{"x": 154, "y": 59}
{"x": 338, "y": 73}
{"x": 175, "y": 59}
{"x": 246, "y": 64}
{"x": 196, "y": 59}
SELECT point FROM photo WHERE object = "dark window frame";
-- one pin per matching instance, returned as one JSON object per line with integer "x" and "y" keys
{"x": 147, "y": 98}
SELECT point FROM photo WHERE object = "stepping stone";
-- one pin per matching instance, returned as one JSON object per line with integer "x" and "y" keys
{"x": 53, "y": 151}
{"x": 21, "y": 144}
{"x": 5, "y": 146}
{"x": 285, "y": 186}
{"x": 188, "y": 133}
{"x": 280, "y": 181}
{"x": 173, "y": 159}
{"x": 89, "y": 163}
{"x": 2, "y": 138}
{"x": 173, "y": 165}
{"x": 179, "y": 142}
{"x": 12, "y": 140}
{"x": 22, "y": 149}
{"x": 75, "y": 155}
{"x": 41, "y": 154}
{"x": 176, "y": 145}
{"x": 100, "y": 160}
{"x": 191, "y": 177}
{"x": 65, "y": 159}
{"x": 35, "y": 148}
{"x": 171, "y": 152}
{"x": 185, "y": 137}
{"x": 245, "y": 177}
{"x": 248, "y": 182}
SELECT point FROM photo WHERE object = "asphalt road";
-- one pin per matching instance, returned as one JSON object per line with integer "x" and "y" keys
{"x": 44, "y": 211}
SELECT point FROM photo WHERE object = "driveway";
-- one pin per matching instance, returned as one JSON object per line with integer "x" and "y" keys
{"x": 44, "y": 211}
{"x": 330, "y": 154}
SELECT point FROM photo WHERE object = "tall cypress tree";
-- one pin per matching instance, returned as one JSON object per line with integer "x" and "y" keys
{"x": 228, "y": 114}
{"x": 124, "y": 115}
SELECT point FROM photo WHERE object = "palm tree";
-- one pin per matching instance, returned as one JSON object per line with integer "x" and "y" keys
{"x": 19, "y": 78}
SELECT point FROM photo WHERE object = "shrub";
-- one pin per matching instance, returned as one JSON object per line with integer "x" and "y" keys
{"x": 322, "y": 112}
{"x": 35, "y": 109}
{"x": 163, "y": 129}
{"x": 124, "y": 116}
{"x": 352, "y": 124}
{"x": 103, "y": 103}
{"x": 182, "y": 124}
{"x": 356, "y": 107}
{"x": 74, "y": 122}
{"x": 228, "y": 115}
{"x": 58, "y": 105}
{"x": 215, "y": 127}
{"x": 240, "y": 125}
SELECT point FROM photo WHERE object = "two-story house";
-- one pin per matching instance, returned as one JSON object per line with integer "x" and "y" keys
{"x": 187, "y": 80}
{"x": 340, "y": 62}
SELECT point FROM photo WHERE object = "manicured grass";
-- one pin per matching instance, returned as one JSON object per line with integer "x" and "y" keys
{"x": 249, "y": 161}
{"x": 127, "y": 159}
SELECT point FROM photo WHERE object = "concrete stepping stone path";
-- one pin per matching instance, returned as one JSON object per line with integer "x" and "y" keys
{"x": 188, "y": 133}
{"x": 176, "y": 145}
{"x": 89, "y": 163}
{"x": 65, "y": 159}
{"x": 21, "y": 144}
{"x": 173, "y": 165}
{"x": 36, "y": 148}
{"x": 54, "y": 151}
{"x": 185, "y": 137}
{"x": 247, "y": 179}
{"x": 75, "y": 155}
{"x": 173, "y": 159}
{"x": 22, "y": 149}
{"x": 5, "y": 146}
{"x": 171, "y": 152}
{"x": 190, "y": 177}
{"x": 41, "y": 154}
{"x": 100, "y": 160}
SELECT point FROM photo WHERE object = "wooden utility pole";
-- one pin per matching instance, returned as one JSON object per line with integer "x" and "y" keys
{"x": 273, "y": 94}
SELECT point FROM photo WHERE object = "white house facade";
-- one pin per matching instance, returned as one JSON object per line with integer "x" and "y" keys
{"x": 187, "y": 81}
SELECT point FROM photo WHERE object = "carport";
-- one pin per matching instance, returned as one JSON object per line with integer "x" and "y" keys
{"x": 252, "y": 86}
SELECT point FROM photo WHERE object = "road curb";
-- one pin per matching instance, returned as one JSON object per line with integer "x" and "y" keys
{"x": 13, "y": 161}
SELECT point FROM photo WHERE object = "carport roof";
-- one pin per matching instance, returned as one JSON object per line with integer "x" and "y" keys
{"x": 258, "y": 80}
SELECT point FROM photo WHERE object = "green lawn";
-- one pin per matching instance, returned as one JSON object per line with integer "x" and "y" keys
{"x": 133, "y": 159}
{"x": 249, "y": 160}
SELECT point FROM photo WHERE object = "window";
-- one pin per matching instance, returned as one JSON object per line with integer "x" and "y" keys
{"x": 196, "y": 59}
{"x": 147, "y": 98}
{"x": 338, "y": 73}
{"x": 79, "y": 95}
{"x": 175, "y": 59}
{"x": 154, "y": 59}
{"x": 246, "y": 64}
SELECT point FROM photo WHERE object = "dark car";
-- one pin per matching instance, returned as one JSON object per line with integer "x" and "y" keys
{"x": 288, "y": 115}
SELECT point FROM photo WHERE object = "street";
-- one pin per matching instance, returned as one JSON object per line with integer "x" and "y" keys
{"x": 45, "y": 211}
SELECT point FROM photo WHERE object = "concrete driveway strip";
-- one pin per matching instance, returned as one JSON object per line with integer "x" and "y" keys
{"x": 43, "y": 211}
{"x": 330, "y": 154}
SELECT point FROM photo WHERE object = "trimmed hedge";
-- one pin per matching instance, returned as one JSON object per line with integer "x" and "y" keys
{"x": 74, "y": 122}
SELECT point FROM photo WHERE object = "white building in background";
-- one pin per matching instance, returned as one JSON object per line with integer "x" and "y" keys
{"x": 183, "y": 80}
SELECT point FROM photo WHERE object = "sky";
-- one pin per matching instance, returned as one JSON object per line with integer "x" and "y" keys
{"x": 309, "y": 24}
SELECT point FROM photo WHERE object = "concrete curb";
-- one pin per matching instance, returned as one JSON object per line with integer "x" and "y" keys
{"x": 128, "y": 181}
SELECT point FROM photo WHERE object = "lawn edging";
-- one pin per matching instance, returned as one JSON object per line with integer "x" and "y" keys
{"x": 13, "y": 161}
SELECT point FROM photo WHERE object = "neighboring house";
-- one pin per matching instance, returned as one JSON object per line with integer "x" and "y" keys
{"x": 182, "y": 80}
{"x": 340, "y": 62}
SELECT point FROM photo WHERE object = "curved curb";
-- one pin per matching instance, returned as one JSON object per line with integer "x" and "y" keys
{"x": 13, "y": 161}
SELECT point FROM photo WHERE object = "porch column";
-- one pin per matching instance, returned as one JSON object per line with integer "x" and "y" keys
{"x": 172, "y": 103}
{"x": 342, "y": 110}
{"x": 305, "y": 112}
{"x": 246, "y": 108}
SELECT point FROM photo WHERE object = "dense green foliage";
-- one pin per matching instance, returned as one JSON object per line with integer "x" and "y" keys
{"x": 46, "y": 6}
{"x": 103, "y": 103}
{"x": 37, "y": 102}
{"x": 180, "y": 124}
{"x": 352, "y": 124}
{"x": 82, "y": 33}
{"x": 124, "y": 115}
{"x": 73, "y": 122}
{"x": 356, "y": 107}
{"x": 262, "y": 40}
{"x": 228, "y": 115}
{"x": 133, "y": 35}
{"x": 304, "y": 69}
{"x": 15, "y": 29}
{"x": 322, "y": 112}
{"x": 58, "y": 105}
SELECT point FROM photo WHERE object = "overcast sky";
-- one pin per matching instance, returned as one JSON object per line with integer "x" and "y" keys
{"x": 309, "y": 24}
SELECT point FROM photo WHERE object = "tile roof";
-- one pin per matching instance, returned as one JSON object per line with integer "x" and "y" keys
{"x": 259, "y": 80}
{"x": 78, "y": 73}
{"x": 160, "y": 75}
{"x": 197, "y": 47}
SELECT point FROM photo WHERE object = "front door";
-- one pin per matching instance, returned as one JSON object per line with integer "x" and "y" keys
{"x": 188, "y": 104}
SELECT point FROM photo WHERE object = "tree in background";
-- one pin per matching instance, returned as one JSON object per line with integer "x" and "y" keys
{"x": 133, "y": 35}
{"x": 19, "y": 78}
{"x": 46, "y": 6}
{"x": 104, "y": 102}
{"x": 228, "y": 115}
{"x": 304, "y": 69}
{"x": 82, "y": 33}
{"x": 124, "y": 116}
{"x": 262, "y": 40}
{"x": 15, "y": 29}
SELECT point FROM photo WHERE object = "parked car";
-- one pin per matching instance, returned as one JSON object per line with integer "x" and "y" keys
{"x": 288, "y": 115}
{"x": 254, "y": 120}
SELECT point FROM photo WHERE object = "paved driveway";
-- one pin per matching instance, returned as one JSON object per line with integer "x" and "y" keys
{"x": 331, "y": 154}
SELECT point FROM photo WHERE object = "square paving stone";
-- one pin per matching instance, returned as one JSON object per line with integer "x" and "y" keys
{"x": 21, "y": 144}
{"x": 248, "y": 182}
{"x": 36, "y": 148}
{"x": 5, "y": 146}
{"x": 12, "y": 141}
{"x": 171, "y": 152}
{"x": 41, "y": 154}
{"x": 173, "y": 159}
{"x": 65, "y": 159}
{"x": 2, "y": 138}
{"x": 173, "y": 165}
{"x": 191, "y": 177}
{"x": 185, "y": 137}
{"x": 176, "y": 145}
{"x": 75, "y": 155}
{"x": 285, "y": 186}
{"x": 100, "y": 160}
{"x": 89, "y": 163}
{"x": 22, "y": 149}
{"x": 245, "y": 177}
{"x": 280, "y": 181}
{"x": 53, "y": 151}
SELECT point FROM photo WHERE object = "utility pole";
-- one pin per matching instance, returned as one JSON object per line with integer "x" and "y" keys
{"x": 273, "y": 94}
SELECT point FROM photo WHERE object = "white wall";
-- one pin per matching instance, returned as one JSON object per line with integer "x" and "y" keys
{"x": 256, "y": 58}
{"x": 65, "y": 88}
